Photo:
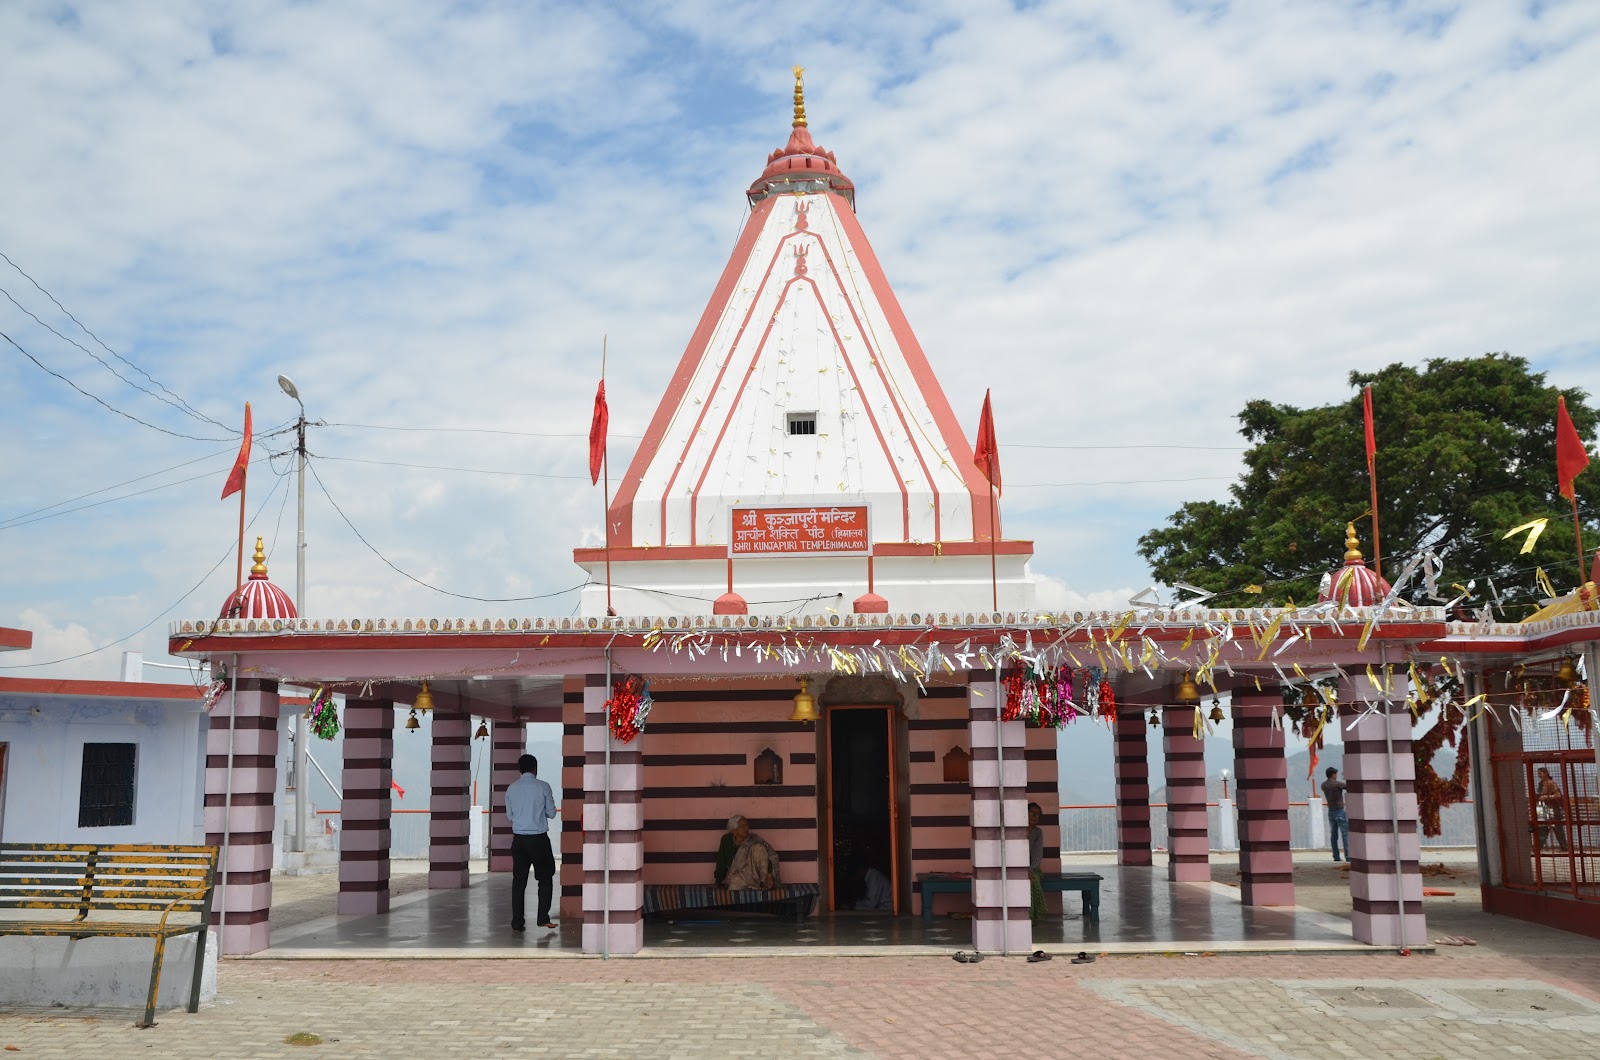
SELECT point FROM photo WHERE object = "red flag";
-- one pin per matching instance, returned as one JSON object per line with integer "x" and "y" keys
{"x": 1571, "y": 455}
{"x": 1372, "y": 441}
{"x": 236, "y": 476}
{"x": 597, "y": 433}
{"x": 398, "y": 788}
{"x": 986, "y": 454}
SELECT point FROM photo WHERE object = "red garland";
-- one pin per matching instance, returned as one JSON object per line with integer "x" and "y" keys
{"x": 628, "y": 707}
{"x": 1108, "y": 700}
{"x": 1434, "y": 793}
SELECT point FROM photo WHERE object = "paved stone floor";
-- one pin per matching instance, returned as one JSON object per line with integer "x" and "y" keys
{"x": 1523, "y": 991}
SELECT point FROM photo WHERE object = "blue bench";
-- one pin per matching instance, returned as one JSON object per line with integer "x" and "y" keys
{"x": 1087, "y": 883}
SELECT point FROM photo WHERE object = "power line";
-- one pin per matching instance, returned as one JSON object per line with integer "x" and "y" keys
{"x": 475, "y": 430}
{"x": 179, "y": 405}
{"x": 460, "y": 596}
{"x": 40, "y": 288}
{"x": 118, "y": 485}
{"x": 1034, "y": 445}
{"x": 164, "y": 611}
{"x": 1123, "y": 481}
{"x": 23, "y": 521}
{"x": 100, "y": 401}
{"x": 439, "y": 467}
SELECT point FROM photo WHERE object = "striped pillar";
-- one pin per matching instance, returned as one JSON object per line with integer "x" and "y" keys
{"x": 1188, "y": 834}
{"x": 364, "y": 813}
{"x": 613, "y": 917}
{"x": 1133, "y": 789}
{"x": 449, "y": 800}
{"x": 1376, "y": 887}
{"x": 241, "y": 817}
{"x": 1266, "y": 867}
{"x": 510, "y": 742}
{"x": 1000, "y": 890}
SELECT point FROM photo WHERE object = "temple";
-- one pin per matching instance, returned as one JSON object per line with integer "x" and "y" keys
{"x": 805, "y": 613}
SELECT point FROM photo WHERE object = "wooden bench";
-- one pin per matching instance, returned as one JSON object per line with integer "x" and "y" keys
{"x": 1053, "y": 882}
{"x": 88, "y": 878}
{"x": 676, "y": 899}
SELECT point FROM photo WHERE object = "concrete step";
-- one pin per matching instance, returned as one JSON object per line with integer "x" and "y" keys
{"x": 310, "y": 862}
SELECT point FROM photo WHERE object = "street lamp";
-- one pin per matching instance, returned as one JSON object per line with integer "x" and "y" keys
{"x": 301, "y": 750}
{"x": 1225, "y": 776}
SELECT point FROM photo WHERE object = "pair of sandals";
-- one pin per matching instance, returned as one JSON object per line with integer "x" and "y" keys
{"x": 1455, "y": 940}
{"x": 1036, "y": 957}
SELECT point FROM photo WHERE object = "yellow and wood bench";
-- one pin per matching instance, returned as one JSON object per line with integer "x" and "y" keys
{"x": 156, "y": 892}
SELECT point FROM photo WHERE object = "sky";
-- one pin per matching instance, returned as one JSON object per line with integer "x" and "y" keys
{"x": 1125, "y": 219}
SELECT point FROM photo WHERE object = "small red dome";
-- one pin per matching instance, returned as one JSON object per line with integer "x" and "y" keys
{"x": 800, "y": 165}
{"x": 1355, "y": 584}
{"x": 258, "y": 597}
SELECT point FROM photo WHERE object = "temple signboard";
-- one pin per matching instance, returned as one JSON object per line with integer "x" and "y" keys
{"x": 799, "y": 531}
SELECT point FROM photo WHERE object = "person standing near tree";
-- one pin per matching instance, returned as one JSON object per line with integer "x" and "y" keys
{"x": 531, "y": 806}
{"x": 1338, "y": 820}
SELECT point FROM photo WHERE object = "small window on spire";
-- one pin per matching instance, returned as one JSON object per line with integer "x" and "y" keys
{"x": 802, "y": 423}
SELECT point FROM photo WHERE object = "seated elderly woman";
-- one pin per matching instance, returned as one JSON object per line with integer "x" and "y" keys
{"x": 745, "y": 861}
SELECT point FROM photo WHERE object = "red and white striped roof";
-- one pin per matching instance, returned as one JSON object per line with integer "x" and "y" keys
{"x": 802, "y": 323}
{"x": 1355, "y": 584}
{"x": 258, "y": 597}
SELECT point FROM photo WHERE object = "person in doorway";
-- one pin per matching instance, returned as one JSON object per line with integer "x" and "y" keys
{"x": 745, "y": 861}
{"x": 1550, "y": 811}
{"x": 877, "y": 893}
{"x": 1338, "y": 820}
{"x": 1036, "y": 906}
{"x": 531, "y": 806}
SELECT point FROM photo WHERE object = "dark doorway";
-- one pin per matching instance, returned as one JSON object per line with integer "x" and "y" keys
{"x": 861, "y": 803}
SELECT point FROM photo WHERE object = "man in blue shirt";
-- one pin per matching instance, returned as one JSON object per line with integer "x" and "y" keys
{"x": 531, "y": 807}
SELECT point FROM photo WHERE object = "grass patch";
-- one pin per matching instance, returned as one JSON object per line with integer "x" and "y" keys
{"x": 303, "y": 1038}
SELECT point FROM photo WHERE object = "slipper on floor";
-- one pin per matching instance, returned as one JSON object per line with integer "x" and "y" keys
{"x": 964, "y": 957}
{"x": 1039, "y": 955}
{"x": 1448, "y": 940}
{"x": 1466, "y": 941}
{"x": 1084, "y": 958}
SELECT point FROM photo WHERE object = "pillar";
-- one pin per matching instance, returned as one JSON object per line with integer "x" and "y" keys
{"x": 509, "y": 740}
{"x": 1266, "y": 865}
{"x": 240, "y": 817}
{"x": 364, "y": 813}
{"x": 1377, "y": 885}
{"x": 1188, "y": 834}
{"x": 450, "y": 800}
{"x": 613, "y": 873}
{"x": 1001, "y": 894}
{"x": 1133, "y": 790}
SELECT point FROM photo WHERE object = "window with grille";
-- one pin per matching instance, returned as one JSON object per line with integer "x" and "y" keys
{"x": 105, "y": 792}
{"x": 802, "y": 423}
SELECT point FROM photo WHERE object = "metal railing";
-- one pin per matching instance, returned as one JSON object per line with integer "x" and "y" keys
{"x": 1092, "y": 828}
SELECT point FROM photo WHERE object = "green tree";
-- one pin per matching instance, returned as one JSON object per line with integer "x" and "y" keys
{"x": 1466, "y": 451}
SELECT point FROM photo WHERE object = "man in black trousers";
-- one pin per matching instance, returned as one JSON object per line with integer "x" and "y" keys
{"x": 531, "y": 807}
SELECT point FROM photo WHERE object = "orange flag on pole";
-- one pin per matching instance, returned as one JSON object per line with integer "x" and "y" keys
{"x": 986, "y": 454}
{"x": 1571, "y": 454}
{"x": 597, "y": 433}
{"x": 236, "y": 476}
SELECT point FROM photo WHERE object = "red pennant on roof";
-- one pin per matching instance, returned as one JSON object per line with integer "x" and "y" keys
{"x": 986, "y": 454}
{"x": 597, "y": 433}
{"x": 398, "y": 789}
{"x": 1571, "y": 454}
{"x": 236, "y": 476}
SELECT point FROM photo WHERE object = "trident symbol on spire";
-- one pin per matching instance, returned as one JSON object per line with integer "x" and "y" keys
{"x": 800, "y": 260}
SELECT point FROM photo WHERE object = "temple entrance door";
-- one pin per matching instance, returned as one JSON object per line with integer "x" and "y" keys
{"x": 861, "y": 829}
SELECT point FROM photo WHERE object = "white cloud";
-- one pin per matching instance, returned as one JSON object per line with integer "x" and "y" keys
{"x": 1125, "y": 219}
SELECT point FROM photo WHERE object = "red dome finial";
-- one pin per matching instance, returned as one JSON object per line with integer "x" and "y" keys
{"x": 258, "y": 597}
{"x": 1354, "y": 584}
{"x": 800, "y": 166}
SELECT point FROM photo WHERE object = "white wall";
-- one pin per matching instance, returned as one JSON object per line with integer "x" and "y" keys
{"x": 44, "y": 761}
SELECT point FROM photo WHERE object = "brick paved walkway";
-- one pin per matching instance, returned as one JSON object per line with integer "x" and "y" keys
{"x": 1488, "y": 1005}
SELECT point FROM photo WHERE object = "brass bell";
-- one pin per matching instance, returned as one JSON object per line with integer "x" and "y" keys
{"x": 424, "y": 701}
{"x": 1155, "y": 719}
{"x": 805, "y": 704}
{"x": 483, "y": 731}
{"x": 1216, "y": 712}
{"x": 412, "y": 722}
{"x": 1567, "y": 673}
{"x": 1188, "y": 694}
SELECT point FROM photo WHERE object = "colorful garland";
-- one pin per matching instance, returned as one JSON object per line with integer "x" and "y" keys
{"x": 1049, "y": 698}
{"x": 628, "y": 707}
{"x": 323, "y": 714}
{"x": 214, "y": 692}
{"x": 1433, "y": 792}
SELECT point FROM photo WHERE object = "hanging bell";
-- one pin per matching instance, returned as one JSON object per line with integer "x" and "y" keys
{"x": 483, "y": 731}
{"x": 412, "y": 722}
{"x": 1188, "y": 694}
{"x": 1155, "y": 719}
{"x": 1567, "y": 673}
{"x": 424, "y": 701}
{"x": 805, "y": 704}
{"x": 1216, "y": 711}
